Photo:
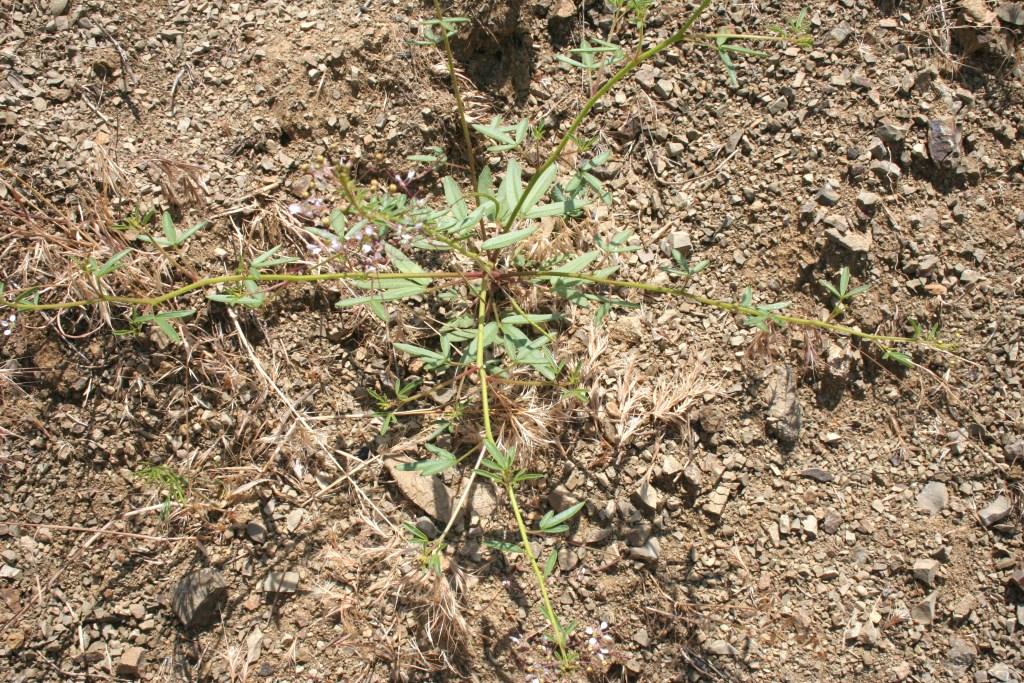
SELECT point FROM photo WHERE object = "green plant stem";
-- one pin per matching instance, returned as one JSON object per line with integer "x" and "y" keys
{"x": 460, "y": 107}
{"x": 556, "y": 627}
{"x": 680, "y": 35}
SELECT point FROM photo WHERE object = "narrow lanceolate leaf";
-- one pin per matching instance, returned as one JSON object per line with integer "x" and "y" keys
{"x": 565, "y": 208}
{"x": 549, "y": 566}
{"x": 404, "y": 264}
{"x": 168, "y": 329}
{"x": 539, "y": 189}
{"x": 552, "y": 521}
{"x": 453, "y": 195}
{"x": 508, "y": 239}
{"x": 510, "y": 189}
{"x": 530, "y": 319}
{"x": 419, "y": 352}
{"x": 390, "y": 295}
{"x": 504, "y": 546}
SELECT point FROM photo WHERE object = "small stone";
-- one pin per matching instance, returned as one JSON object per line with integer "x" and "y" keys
{"x": 827, "y": 196}
{"x": 9, "y": 572}
{"x": 676, "y": 149}
{"x": 645, "y": 498}
{"x": 964, "y": 607}
{"x": 256, "y": 532}
{"x": 817, "y": 474}
{"x": 648, "y": 552}
{"x": 641, "y": 637}
{"x": 891, "y": 133}
{"x": 664, "y": 87}
{"x": 293, "y": 520}
{"x": 678, "y": 241}
{"x": 850, "y": 242}
{"x": 925, "y": 570}
{"x": 130, "y": 663}
{"x": 199, "y": 597}
{"x": 561, "y": 498}
{"x": 721, "y": 648}
{"x": 281, "y": 582}
{"x": 1000, "y": 672}
{"x": 567, "y": 560}
{"x": 778, "y": 105}
{"x": 1011, "y": 13}
{"x": 902, "y": 671}
{"x": 995, "y": 512}
{"x": 924, "y": 611}
{"x": 933, "y": 498}
{"x": 840, "y": 34}
{"x": 784, "y": 413}
{"x": 58, "y": 7}
{"x": 810, "y": 526}
{"x": 427, "y": 526}
{"x": 833, "y": 520}
{"x": 960, "y": 657}
{"x": 867, "y": 201}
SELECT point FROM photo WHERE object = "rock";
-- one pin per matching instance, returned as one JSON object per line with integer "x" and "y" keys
{"x": 429, "y": 494}
{"x": 778, "y": 105}
{"x": 886, "y": 171}
{"x": 641, "y": 637}
{"x": 645, "y": 498}
{"x": 293, "y": 520}
{"x": 891, "y": 133}
{"x": 678, "y": 241}
{"x": 676, "y": 149}
{"x": 840, "y": 34}
{"x": 924, "y": 611}
{"x": 833, "y": 520}
{"x": 944, "y": 140}
{"x": 964, "y": 607}
{"x": 784, "y": 413}
{"x": 256, "y": 532}
{"x": 810, "y": 526}
{"x": 960, "y": 657}
{"x": 648, "y": 552}
{"x": 925, "y": 570}
{"x": 1011, "y": 13}
{"x": 427, "y": 526}
{"x": 1000, "y": 672}
{"x": 58, "y": 7}
{"x": 720, "y": 647}
{"x": 827, "y": 196}
{"x": 281, "y": 582}
{"x": 562, "y": 10}
{"x": 817, "y": 474}
{"x": 670, "y": 466}
{"x": 199, "y": 597}
{"x": 850, "y": 242}
{"x": 995, "y": 512}
{"x": 664, "y": 87}
{"x": 933, "y": 498}
{"x": 567, "y": 560}
{"x": 646, "y": 77}
{"x": 715, "y": 504}
{"x": 9, "y": 572}
{"x": 130, "y": 663}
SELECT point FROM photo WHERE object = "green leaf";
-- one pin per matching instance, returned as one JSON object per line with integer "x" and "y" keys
{"x": 539, "y": 189}
{"x": 549, "y": 566}
{"x": 564, "y": 208}
{"x": 170, "y": 232}
{"x": 267, "y": 260}
{"x": 504, "y": 546}
{"x": 453, "y": 195}
{"x": 530, "y": 318}
{"x": 510, "y": 189}
{"x": 112, "y": 263}
{"x": 404, "y": 264}
{"x": 391, "y": 295}
{"x": 433, "y": 358}
{"x": 556, "y": 523}
{"x": 416, "y": 533}
{"x": 508, "y": 239}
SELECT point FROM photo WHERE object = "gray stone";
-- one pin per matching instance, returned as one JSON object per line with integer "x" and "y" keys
{"x": 840, "y": 34}
{"x": 664, "y": 87}
{"x": 783, "y": 421}
{"x": 850, "y": 242}
{"x": 645, "y": 498}
{"x": 199, "y": 597}
{"x": 995, "y": 512}
{"x": 679, "y": 241}
{"x": 833, "y": 520}
{"x": 58, "y": 7}
{"x": 810, "y": 526}
{"x": 641, "y": 637}
{"x": 924, "y": 611}
{"x": 721, "y": 648}
{"x": 933, "y": 498}
{"x": 827, "y": 196}
{"x": 925, "y": 570}
{"x": 256, "y": 532}
{"x": 960, "y": 656}
{"x": 886, "y": 171}
{"x": 648, "y": 552}
{"x": 867, "y": 201}
{"x": 130, "y": 663}
{"x": 817, "y": 474}
{"x": 778, "y": 105}
{"x": 891, "y": 133}
{"x": 281, "y": 582}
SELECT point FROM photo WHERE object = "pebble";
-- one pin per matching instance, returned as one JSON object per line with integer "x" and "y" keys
{"x": 827, "y": 196}
{"x": 867, "y": 201}
{"x": 960, "y": 656}
{"x": 130, "y": 663}
{"x": 778, "y": 105}
{"x": 810, "y": 526}
{"x": 850, "y": 242}
{"x": 256, "y": 532}
{"x": 995, "y": 512}
{"x": 888, "y": 132}
{"x": 933, "y": 498}
{"x": 721, "y": 648}
{"x": 784, "y": 412}
{"x": 925, "y": 570}
{"x": 281, "y": 582}
{"x": 645, "y": 498}
{"x": 648, "y": 552}
{"x": 199, "y": 597}
{"x": 833, "y": 520}
{"x": 817, "y": 474}
{"x": 58, "y": 7}
{"x": 924, "y": 611}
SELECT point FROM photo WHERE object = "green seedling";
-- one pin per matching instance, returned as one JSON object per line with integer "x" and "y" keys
{"x": 171, "y": 237}
{"x": 841, "y": 292}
